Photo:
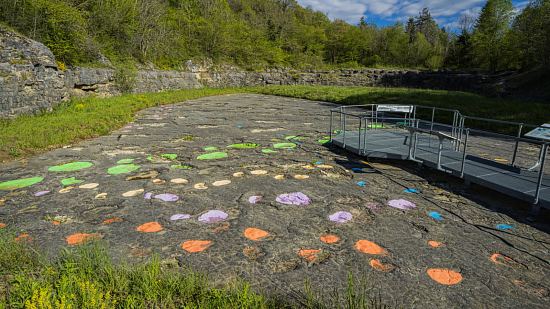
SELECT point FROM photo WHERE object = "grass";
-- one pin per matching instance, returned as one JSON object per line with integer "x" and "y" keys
{"x": 86, "y": 277}
{"x": 84, "y": 118}
{"x": 467, "y": 103}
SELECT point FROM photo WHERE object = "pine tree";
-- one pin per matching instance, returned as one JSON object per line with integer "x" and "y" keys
{"x": 488, "y": 40}
{"x": 363, "y": 23}
{"x": 411, "y": 29}
{"x": 426, "y": 25}
{"x": 530, "y": 36}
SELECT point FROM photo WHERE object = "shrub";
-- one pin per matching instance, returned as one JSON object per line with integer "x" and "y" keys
{"x": 125, "y": 78}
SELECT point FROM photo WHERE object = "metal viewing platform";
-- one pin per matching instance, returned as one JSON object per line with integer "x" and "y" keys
{"x": 448, "y": 141}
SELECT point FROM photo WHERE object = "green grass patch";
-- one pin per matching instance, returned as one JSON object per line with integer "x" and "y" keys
{"x": 244, "y": 146}
{"x": 84, "y": 118}
{"x": 468, "y": 104}
{"x": 86, "y": 277}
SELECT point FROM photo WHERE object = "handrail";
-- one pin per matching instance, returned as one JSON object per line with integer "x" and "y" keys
{"x": 459, "y": 134}
{"x": 441, "y": 109}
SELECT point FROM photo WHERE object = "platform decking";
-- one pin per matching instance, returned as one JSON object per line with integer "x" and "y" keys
{"x": 394, "y": 142}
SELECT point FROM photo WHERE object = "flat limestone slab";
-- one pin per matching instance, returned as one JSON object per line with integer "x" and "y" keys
{"x": 238, "y": 214}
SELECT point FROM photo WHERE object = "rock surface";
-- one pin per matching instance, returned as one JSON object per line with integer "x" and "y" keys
{"x": 406, "y": 258}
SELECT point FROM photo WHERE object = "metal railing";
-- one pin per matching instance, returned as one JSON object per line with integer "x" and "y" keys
{"x": 456, "y": 132}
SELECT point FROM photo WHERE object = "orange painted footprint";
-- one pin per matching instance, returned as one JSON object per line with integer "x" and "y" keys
{"x": 329, "y": 238}
{"x": 309, "y": 255}
{"x": 80, "y": 238}
{"x": 369, "y": 247}
{"x": 112, "y": 220}
{"x": 435, "y": 244}
{"x": 150, "y": 227}
{"x": 502, "y": 259}
{"x": 23, "y": 237}
{"x": 378, "y": 265}
{"x": 444, "y": 276}
{"x": 255, "y": 234}
{"x": 195, "y": 246}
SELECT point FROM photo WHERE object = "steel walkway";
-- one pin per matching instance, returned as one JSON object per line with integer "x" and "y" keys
{"x": 512, "y": 165}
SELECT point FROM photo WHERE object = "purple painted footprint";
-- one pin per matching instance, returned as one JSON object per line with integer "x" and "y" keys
{"x": 402, "y": 204}
{"x": 295, "y": 198}
{"x": 340, "y": 217}
{"x": 177, "y": 217}
{"x": 255, "y": 199}
{"x": 167, "y": 197}
{"x": 213, "y": 216}
{"x": 41, "y": 193}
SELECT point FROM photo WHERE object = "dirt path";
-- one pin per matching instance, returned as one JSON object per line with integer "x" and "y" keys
{"x": 228, "y": 216}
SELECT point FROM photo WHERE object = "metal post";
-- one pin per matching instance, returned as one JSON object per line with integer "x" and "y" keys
{"x": 433, "y": 118}
{"x": 464, "y": 154}
{"x": 440, "y": 149}
{"x": 411, "y": 134}
{"x": 453, "y": 129}
{"x": 460, "y": 131}
{"x": 541, "y": 173}
{"x": 517, "y": 144}
{"x": 341, "y": 116}
{"x": 455, "y": 132}
{"x": 359, "y": 134}
{"x": 330, "y": 127}
{"x": 376, "y": 118}
{"x": 415, "y": 144}
{"x": 344, "y": 128}
{"x": 453, "y": 142}
{"x": 365, "y": 135}
{"x": 463, "y": 123}
{"x": 414, "y": 115}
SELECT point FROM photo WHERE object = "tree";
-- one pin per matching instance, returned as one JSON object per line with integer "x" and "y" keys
{"x": 411, "y": 29}
{"x": 530, "y": 36}
{"x": 426, "y": 25}
{"x": 488, "y": 39}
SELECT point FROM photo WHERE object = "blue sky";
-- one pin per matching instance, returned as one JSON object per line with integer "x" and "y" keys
{"x": 384, "y": 12}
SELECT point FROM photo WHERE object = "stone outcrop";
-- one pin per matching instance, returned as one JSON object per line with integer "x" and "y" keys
{"x": 153, "y": 81}
{"x": 29, "y": 78}
{"x": 343, "y": 77}
{"x": 31, "y": 81}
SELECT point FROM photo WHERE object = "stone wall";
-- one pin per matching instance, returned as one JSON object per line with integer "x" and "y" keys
{"x": 361, "y": 77}
{"x": 29, "y": 78}
{"x": 31, "y": 81}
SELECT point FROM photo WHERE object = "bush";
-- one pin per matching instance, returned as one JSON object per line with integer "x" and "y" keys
{"x": 57, "y": 24}
{"x": 125, "y": 78}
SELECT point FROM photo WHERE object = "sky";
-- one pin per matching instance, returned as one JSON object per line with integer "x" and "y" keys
{"x": 387, "y": 12}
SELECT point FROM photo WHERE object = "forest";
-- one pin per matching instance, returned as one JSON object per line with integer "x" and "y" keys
{"x": 259, "y": 34}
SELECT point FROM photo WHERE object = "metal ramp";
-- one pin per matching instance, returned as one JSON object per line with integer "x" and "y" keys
{"x": 513, "y": 165}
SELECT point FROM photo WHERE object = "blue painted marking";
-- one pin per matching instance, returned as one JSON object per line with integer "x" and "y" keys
{"x": 504, "y": 227}
{"x": 356, "y": 169}
{"x": 362, "y": 183}
{"x": 318, "y": 162}
{"x": 410, "y": 190}
{"x": 435, "y": 215}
